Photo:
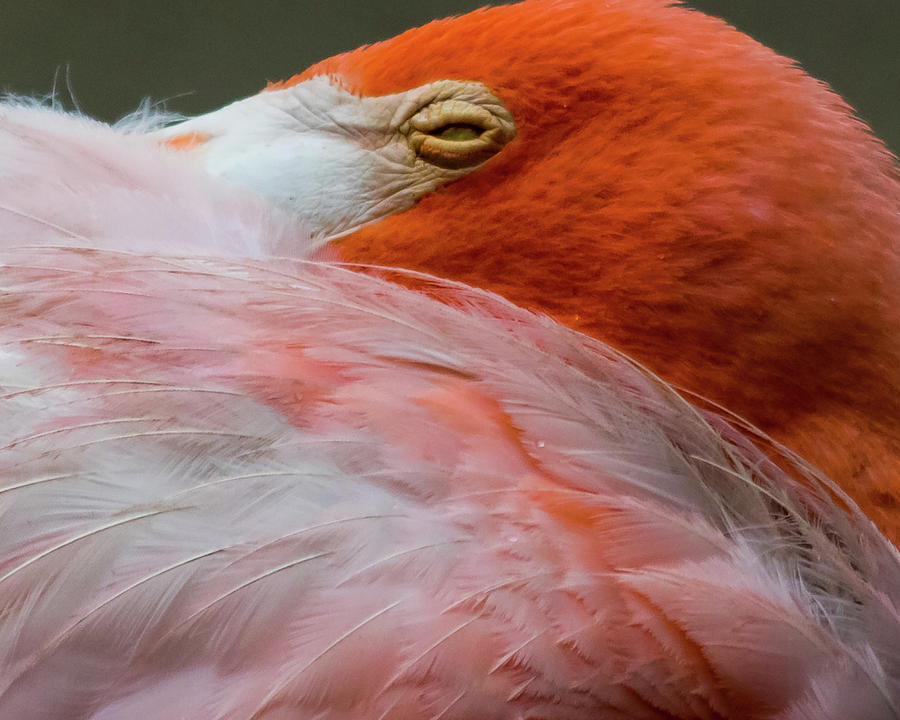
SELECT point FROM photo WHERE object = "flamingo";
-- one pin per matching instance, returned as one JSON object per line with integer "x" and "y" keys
{"x": 238, "y": 486}
{"x": 643, "y": 173}
{"x": 241, "y": 483}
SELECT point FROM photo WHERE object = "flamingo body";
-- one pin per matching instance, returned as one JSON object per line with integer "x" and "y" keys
{"x": 245, "y": 488}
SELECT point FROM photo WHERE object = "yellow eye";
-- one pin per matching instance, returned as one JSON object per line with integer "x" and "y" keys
{"x": 457, "y": 134}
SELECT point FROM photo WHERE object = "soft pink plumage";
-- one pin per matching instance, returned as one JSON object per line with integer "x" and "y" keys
{"x": 245, "y": 488}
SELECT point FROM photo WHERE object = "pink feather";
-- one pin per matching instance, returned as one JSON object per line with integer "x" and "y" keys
{"x": 235, "y": 486}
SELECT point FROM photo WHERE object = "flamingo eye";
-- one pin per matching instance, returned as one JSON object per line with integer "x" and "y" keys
{"x": 457, "y": 133}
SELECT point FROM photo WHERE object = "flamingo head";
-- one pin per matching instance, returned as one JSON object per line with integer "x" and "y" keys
{"x": 640, "y": 171}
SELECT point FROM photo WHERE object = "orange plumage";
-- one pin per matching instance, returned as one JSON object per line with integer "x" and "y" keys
{"x": 683, "y": 193}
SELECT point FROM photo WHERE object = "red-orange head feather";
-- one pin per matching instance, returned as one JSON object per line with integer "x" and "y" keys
{"x": 680, "y": 191}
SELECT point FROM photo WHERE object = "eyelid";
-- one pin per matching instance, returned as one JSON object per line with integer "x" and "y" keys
{"x": 491, "y": 120}
{"x": 452, "y": 112}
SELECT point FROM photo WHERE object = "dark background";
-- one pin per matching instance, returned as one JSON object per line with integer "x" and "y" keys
{"x": 201, "y": 55}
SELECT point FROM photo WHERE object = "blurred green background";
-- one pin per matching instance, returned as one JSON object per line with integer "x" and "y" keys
{"x": 200, "y": 55}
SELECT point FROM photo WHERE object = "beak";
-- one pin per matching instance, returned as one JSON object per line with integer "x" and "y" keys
{"x": 195, "y": 134}
{"x": 189, "y": 140}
